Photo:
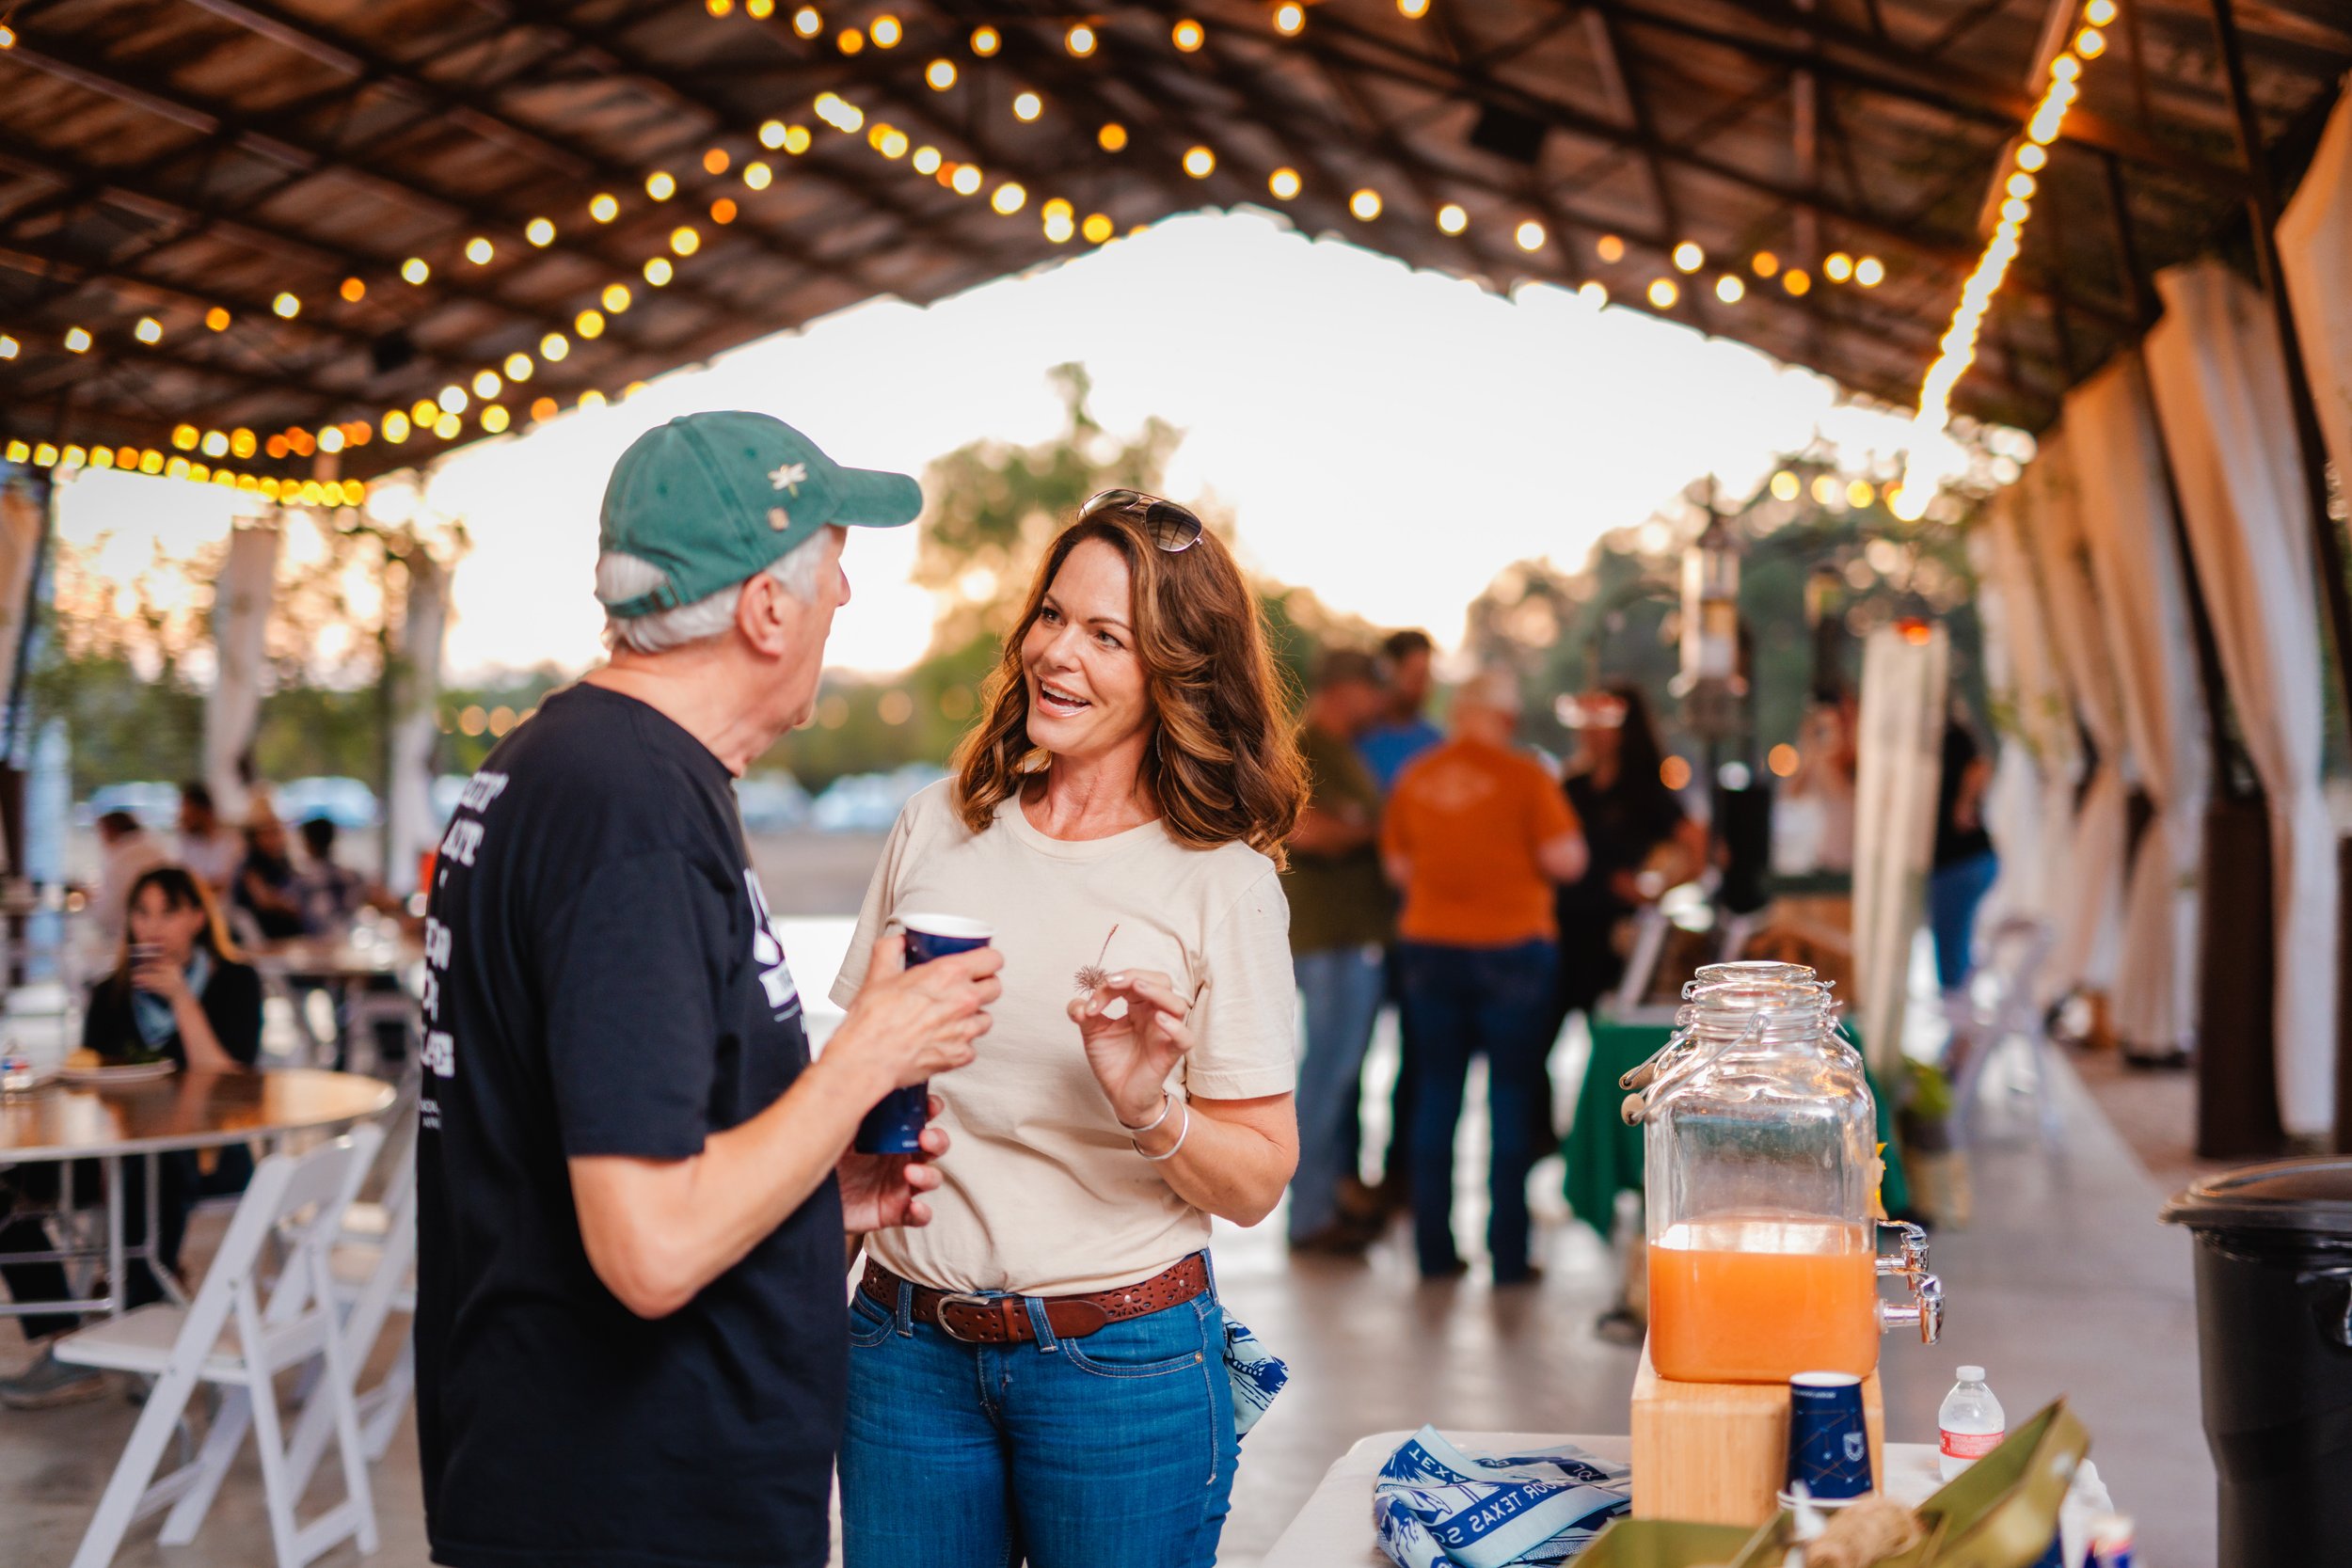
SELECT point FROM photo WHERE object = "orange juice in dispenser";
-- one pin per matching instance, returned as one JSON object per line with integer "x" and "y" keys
{"x": 1762, "y": 1172}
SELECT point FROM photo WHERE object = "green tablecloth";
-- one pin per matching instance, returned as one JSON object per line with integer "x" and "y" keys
{"x": 1604, "y": 1155}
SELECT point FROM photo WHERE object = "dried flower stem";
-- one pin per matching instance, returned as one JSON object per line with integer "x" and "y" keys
{"x": 1095, "y": 975}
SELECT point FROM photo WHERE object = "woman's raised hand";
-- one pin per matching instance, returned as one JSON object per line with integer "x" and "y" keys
{"x": 1134, "y": 1053}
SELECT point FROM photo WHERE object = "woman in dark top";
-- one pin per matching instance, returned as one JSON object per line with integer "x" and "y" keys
{"x": 1964, "y": 863}
{"x": 178, "y": 991}
{"x": 265, "y": 887}
{"x": 1629, "y": 816}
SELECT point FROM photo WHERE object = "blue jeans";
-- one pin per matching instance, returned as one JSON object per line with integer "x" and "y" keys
{"x": 1953, "y": 893}
{"x": 1463, "y": 1001}
{"x": 1065, "y": 1453}
{"x": 1341, "y": 990}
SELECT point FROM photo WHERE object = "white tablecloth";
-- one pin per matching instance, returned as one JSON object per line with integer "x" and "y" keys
{"x": 1334, "y": 1529}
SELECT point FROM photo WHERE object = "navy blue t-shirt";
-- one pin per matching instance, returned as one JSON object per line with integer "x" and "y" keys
{"x": 603, "y": 979}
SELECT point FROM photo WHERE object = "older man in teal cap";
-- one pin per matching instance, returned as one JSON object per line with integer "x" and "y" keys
{"x": 633, "y": 1184}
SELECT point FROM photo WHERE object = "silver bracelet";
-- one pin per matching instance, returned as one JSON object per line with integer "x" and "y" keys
{"x": 1180, "y": 1133}
{"x": 1167, "y": 1103}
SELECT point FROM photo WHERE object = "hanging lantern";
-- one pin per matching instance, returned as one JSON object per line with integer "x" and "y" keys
{"x": 1711, "y": 684}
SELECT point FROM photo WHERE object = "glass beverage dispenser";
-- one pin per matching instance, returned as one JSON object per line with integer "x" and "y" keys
{"x": 1760, "y": 1144}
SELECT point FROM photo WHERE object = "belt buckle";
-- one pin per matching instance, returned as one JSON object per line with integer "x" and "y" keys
{"x": 965, "y": 1298}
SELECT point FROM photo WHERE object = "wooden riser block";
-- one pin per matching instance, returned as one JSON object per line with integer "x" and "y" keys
{"x": 1717, "y": 1453}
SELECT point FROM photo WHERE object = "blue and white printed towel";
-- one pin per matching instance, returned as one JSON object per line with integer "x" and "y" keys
{"x": 1256, "y": 1373}
{"x": 1435, "y": 1505}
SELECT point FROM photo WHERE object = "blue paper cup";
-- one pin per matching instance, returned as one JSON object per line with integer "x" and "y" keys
{"x": 1829, "y": 1444}
{"x": 894, "y": 1126}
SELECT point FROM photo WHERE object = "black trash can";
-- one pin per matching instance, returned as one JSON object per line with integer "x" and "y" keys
{"x": 2274, "y": 1334}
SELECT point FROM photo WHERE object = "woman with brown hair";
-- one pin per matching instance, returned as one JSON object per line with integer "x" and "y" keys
{"x": 1039, "y": 1374}
{"x": 179, "y": 991}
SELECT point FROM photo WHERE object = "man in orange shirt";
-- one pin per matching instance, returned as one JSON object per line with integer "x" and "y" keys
{"x": 1476, "y": 835}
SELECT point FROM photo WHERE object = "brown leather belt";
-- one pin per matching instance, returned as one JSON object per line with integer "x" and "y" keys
{"x": 1004, "y": 1320}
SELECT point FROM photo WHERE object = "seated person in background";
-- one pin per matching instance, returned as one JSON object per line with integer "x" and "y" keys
{"x": 207, "y": 846}
{"x": 265, "y": 880}
{"x": 330, "y": 893}
{"x": 332, "y": 896}
{"x": 178, "y": 991}
{"x": 126, "y": 852}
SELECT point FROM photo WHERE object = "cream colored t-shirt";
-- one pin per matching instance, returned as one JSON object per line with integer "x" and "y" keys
{"x": 1040, "y": 1191}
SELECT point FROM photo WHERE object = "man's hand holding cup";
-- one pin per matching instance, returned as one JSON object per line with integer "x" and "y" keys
{"x": 922, "y": 1006}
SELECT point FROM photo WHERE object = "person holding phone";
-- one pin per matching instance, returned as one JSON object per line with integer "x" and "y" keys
{"x": 1040, "y": 1372}
{"x": 180, "y": 992}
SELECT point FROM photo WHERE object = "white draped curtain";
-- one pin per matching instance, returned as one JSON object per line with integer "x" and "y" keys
{"x": 2088, "y": 915}
{"x": 2315, "y": 250}
{"x": 1901, "y": 755}
{"x": 408, "y": 813}
{"x": 241, "y": 607}
{"x": 2031, "y": 812}
{"x": 2221, "y": 392}
{"x": 2125, "y": 512}
{"x": 24, "y": 519}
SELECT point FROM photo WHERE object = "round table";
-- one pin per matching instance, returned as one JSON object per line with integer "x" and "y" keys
{"x": 346, "y": 970}
{"x": 328, "y": 959}
{"x": 188, "y": 1110}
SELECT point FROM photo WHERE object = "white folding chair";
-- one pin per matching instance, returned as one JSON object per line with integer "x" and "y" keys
{"x": 227, "y": 1336}
{"x": 2001, "y": 1005}
{"x": 373, "y": 1263}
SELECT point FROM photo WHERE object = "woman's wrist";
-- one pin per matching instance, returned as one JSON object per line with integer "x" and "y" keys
{"x": 1135, "y": 1122}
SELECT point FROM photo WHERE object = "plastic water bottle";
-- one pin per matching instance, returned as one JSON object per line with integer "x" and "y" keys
{"x": 1972, "y": 1423}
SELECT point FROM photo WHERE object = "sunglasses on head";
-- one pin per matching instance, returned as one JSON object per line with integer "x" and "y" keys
{"x": 1172, "y": 528}
{"x": 1593, "y": 711}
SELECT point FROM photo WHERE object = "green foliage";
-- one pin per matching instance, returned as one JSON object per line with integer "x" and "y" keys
{"x": 472, "y": 719}
{"x": 1619, "y": 617}
{"x": 116, "y": 657}
{"x": 124, "y": 724}
{"x": 998, "y": 505}
{"x": 994, "y": 509}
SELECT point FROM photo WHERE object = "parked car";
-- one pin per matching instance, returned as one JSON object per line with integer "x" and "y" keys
{"x": 870, "y": 803}
{"x": 346, "y": 802}
{"x": 156, "y": 806}
{"x": 772, "y": 802}
{"x": 444, "y": 794}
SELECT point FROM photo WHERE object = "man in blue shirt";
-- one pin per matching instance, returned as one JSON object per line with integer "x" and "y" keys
{"x": 1387, "y": 747}
{"x": 1406, "y": 732}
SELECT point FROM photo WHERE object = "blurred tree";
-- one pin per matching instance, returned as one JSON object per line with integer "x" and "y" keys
{"x": 126, "y": 664}
{"x": 994, "y": 508}
{"x": 1618, "y": 616}
{"x": 473, "y": 718}
{"x": 996, "y": 505}
{"x": 120, "y": 662}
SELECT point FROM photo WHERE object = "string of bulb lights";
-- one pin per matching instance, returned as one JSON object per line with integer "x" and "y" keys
{"x": 1285, "y": 183}
{"x": 2029, "y": 156}
{"x": 199, "y": 455}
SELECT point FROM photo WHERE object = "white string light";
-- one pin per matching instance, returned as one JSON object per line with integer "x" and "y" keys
{"x": 1957, "y": 346}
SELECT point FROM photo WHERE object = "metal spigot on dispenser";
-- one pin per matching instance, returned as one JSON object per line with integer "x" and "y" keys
{"x": 1760, "y": 1144}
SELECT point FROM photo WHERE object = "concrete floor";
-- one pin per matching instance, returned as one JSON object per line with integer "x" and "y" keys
{"x": 2065, "y": 1283}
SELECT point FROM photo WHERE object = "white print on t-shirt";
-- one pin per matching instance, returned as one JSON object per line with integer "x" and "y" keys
{"x": 768, "y": 952}
{"x": 465, "y": 837}
{"x": 482, "y": 788}
{"x": 461, "y": 843}
{"x": 440, "y": 1049}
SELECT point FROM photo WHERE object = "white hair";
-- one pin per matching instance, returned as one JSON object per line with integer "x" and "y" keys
{"x": 1493, "y": 689}
{"x": 621, "y": 576}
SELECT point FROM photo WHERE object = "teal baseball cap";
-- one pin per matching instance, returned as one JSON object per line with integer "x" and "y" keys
{"x": 712, "y": 499}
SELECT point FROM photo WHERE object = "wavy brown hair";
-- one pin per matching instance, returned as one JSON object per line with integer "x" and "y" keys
{"x": 1223, "y": 764}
